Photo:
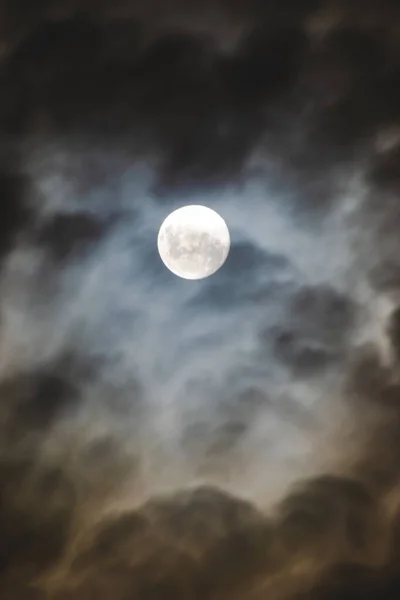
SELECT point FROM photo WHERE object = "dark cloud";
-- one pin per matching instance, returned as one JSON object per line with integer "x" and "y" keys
{"x": 68, "y": 235}
{"x": 234, "y": 437}
{"x": 316, "y": 329}
{"x": 13, "y": 210}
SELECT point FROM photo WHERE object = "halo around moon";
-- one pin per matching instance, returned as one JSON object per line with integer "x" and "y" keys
{"x": 193, "y": 242}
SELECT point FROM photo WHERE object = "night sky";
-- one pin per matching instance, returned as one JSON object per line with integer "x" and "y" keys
{"x": 232, "y": 438}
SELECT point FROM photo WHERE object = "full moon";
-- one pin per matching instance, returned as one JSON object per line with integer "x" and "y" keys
{"x": 193, "y": 242}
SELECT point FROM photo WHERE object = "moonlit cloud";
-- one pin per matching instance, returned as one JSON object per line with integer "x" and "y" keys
{"x": 232, "y": 437}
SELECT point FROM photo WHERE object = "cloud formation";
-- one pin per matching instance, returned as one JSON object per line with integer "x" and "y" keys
{"x": 233, "y": 437}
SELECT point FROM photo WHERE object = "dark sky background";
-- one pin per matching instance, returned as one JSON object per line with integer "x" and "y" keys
{"x": 232, "y": 438}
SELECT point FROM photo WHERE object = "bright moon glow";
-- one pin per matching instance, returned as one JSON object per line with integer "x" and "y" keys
{"x": 193, "y": 242}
